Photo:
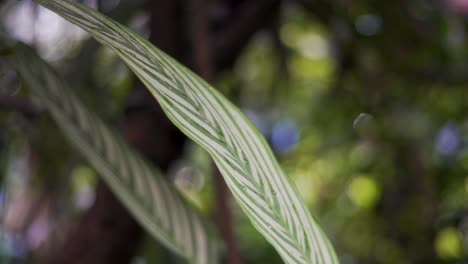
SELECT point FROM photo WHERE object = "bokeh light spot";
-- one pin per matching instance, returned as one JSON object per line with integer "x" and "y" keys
{"x": 368, "y": 25}
{"x": 284, "y": 135}
{"x": 448, "y": 139}
{"x": 83, "y": 182}
{"x": 448, "y": 243}
{"x": 364, "y": 191}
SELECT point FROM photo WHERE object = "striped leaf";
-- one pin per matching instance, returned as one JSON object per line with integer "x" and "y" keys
{"x": 265, "y": 193}
{"x": 149, "y": 197}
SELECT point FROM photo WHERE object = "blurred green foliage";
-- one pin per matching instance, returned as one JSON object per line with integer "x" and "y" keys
{"x": 377, "y": 92}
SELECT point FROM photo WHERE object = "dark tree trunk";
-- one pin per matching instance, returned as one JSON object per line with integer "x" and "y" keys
{"x": 204, "y": 65}
{"x": 108, "y": 220}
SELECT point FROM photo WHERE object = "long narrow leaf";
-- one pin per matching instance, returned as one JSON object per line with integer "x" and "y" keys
{"x": 153, "y": 201}
{"x": 267, "y": 196}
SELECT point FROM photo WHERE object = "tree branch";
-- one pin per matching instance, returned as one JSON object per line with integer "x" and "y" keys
{"x": 203, "y": 63}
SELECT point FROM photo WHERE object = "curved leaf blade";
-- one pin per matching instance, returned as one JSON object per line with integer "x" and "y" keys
{"x": 265, "y": 193}
{"x": 149, "y": 197}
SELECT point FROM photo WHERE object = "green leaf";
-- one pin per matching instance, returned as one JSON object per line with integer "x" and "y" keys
{"x": 149, "y": 197}
{"x": 267, "y": 196}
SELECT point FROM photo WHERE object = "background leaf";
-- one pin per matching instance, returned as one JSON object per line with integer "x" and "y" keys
{"x": 149, "y": 197}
